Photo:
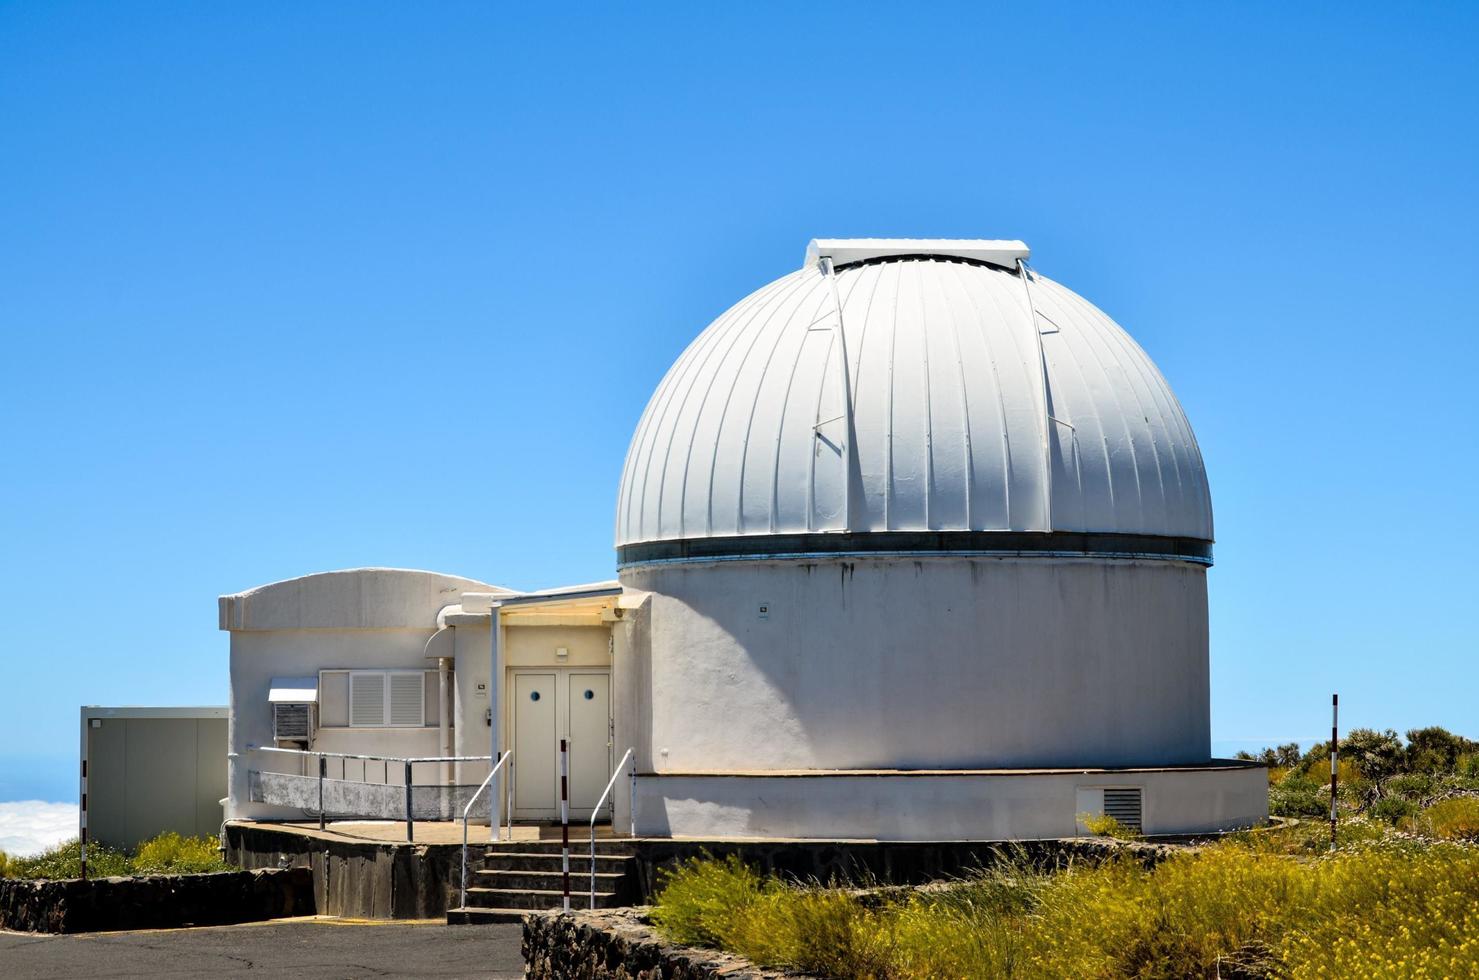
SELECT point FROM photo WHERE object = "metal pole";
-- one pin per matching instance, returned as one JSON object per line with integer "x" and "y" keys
{"x": 410, "y": 832}
{"x": 1334, "y": 755}
{"x": 508, "y": 809}
{"x": 565, "y": 817}
{"x": 323, "y": 770}
{"x": 632, "y": 799}
{"x": 82, "y": 821}
{"x": 462, "y": 903}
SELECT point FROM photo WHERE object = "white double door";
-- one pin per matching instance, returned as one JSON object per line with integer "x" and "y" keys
{"x": 547, "y": 706}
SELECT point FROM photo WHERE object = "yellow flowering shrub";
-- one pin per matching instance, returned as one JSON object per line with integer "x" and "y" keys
{"x": 1261, "y": 905}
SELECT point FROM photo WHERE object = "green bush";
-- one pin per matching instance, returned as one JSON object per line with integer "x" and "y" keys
{"x": 697, "y": 902}
{"x": 168, "y": 853}
{"x": 1103, "y": 825}
{"x": 1376, "y": 755}
{"x": 1297, "y": 796}
{"x": 65, "y": 861}
{"x": 1392, "y": 809}
{"x": 1436, "y": 749}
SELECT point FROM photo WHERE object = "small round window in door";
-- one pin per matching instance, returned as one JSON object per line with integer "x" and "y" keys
{"x": 533, "y": 695}
{"x": 590, "y": 695}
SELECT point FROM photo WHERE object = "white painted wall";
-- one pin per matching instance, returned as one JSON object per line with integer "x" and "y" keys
{"x": 364, "y": 618}
{"x": 959, "y": 806}
{"x": 257, "y": 657}
{"x": 931, "y": 663}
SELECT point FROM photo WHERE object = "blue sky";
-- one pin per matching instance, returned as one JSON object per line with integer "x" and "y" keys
{"x": 293, "y": 287}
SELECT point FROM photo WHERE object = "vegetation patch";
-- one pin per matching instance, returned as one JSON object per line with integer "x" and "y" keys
{"x": 1273, "y": 904}
{"x": 1381, "y": 775}
{"x": 169, "y": 853}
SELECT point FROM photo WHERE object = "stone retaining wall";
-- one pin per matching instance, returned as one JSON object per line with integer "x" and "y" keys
{"x": 155, "y": 901}
{"x": 618, "y": 944}
{"x": 358, "y": 879}
{"x": 865, "y": 863}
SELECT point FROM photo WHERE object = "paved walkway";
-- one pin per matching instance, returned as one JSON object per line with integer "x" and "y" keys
{"x": 313, "y": 948}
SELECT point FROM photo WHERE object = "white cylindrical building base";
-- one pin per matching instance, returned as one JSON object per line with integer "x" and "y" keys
{"x": 936, "y": 806}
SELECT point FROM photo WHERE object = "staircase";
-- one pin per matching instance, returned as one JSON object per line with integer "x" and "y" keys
{"x": 518, "y": 877}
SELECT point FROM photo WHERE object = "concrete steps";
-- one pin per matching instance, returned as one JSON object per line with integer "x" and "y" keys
{"x": 477, "y": 917}
{"x": 518, "y": 877}
{"x": 580, "y": 880}
{"x": 579, "y": 863}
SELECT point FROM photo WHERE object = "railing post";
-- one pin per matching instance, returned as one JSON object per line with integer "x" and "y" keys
{"x": 462, "y": 903}
{"x": 508, "y": 800}
{"x": 323, "y": 769}
{"x": 632, "y": 798}
{"x": 410, "y": 825}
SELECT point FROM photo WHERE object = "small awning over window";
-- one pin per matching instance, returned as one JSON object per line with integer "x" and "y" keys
{"x": 293, "y": 690}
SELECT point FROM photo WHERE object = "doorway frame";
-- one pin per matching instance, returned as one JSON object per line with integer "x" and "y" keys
{"x": 562, "y": 674}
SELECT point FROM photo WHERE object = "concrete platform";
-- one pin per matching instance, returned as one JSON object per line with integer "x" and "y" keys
{"x": 432, "y": 831}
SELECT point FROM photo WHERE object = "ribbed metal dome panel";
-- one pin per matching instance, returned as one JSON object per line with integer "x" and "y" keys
{"x": 968, "y": 413}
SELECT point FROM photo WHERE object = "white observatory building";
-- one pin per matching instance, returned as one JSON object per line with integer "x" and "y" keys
{"x": 925, "y": 537}
{"x": 912, "y": 544}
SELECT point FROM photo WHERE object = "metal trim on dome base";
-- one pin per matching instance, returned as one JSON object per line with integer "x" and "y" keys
{"x": 901, "y": 544}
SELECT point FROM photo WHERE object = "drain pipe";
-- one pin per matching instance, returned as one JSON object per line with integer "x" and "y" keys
{"x": 444, "y": 687}
{"x": 444, "y": 714}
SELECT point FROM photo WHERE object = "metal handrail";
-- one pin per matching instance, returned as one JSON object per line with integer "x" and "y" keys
{"x": 498, "y": 819}
{"x": 407, "y": 764}
{"x": 597, "y": 812}
{"x": 374, "y": 758}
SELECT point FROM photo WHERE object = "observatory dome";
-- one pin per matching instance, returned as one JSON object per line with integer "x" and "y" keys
{"x": 989, "y": 410}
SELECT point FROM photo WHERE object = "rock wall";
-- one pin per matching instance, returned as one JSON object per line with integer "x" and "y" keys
{"x": 865, "y": 863}
{"x": 154, "y": 902}
{"x": 617, "y": 944}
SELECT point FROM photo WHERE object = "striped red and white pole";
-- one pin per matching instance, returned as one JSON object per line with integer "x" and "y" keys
{"x": 1334, "y": 754}
{"x": 82, "y": 823}
{"x": 565, "y": 816}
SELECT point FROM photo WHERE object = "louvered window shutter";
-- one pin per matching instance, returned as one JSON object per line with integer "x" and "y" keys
{"x": 406, "y": 703}
{"x": 367, "y": 698}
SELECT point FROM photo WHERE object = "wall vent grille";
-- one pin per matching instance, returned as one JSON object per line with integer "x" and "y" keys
{"x": 291, "y": 721}
{"x": 1124, "y": 806}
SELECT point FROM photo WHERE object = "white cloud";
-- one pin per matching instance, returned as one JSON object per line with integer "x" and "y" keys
{"x": 30, "y": 826}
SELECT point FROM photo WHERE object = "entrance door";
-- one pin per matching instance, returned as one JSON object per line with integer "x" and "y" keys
{"x": 536, "y": 777}
{"x": 588, "y": 695}
{"x": 547, "y": 705}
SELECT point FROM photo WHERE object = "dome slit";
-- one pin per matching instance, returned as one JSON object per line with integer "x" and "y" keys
{"x": 1047, "y": 448}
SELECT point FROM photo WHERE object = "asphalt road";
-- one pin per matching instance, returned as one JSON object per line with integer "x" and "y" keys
{"x": 313, "y": 948}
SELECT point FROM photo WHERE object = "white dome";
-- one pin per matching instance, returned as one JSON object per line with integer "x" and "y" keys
{"x": 968, "y": 414}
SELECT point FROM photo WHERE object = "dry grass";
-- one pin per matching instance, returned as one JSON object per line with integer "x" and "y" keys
{"x": 1451, "y": 819}
{"x": 1265, "y": 905}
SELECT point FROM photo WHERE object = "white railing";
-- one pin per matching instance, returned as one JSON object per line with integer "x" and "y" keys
{"x": 597, "y": 812}
{"x": 497, "y": 818}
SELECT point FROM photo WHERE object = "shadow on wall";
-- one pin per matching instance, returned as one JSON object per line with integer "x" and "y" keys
{"x": 927, "y": 664}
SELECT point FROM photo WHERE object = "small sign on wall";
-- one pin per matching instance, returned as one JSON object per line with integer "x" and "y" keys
{"x": 764, "y": 610}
